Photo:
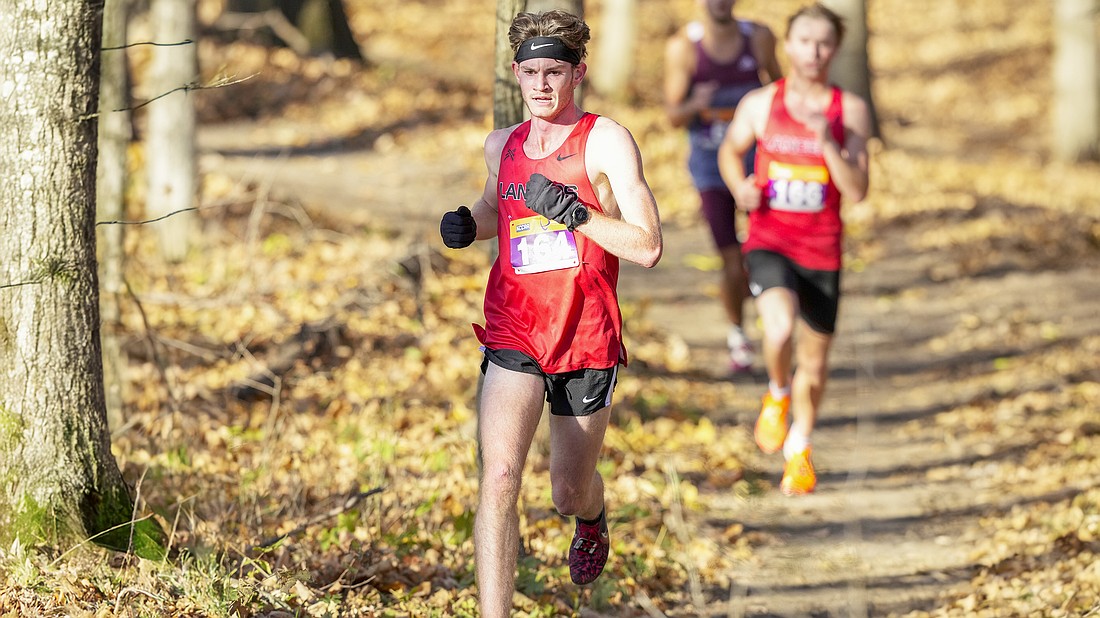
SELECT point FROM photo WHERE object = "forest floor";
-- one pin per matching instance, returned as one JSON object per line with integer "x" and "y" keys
{"x": 904, "y": 484}
{"x": 951, "y": 313}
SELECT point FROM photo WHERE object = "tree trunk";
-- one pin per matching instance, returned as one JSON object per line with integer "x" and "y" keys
{"x": 61, "y": 482}
{"x": 114, "y": 139}
{"x": 1076, "y": 113}
{"x": 170, "y": 145}
{"x": 851, "y": 69}
{"x": 507, "y": 101}
{"x": 575, "y": 7}
{"x": 614, "y": 53}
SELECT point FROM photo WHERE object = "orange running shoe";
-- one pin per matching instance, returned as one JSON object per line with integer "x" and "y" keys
{"x": 799, "y": 477}
{"x": 771, "y": 425}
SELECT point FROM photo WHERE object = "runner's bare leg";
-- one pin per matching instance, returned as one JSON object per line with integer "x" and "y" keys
{"x": 808, "y": 386}
{"x": 734, "y": 285}
{"x": 778, "y": 311}
{"x": 575, "y": 443}
{"x": 511, "y": 404}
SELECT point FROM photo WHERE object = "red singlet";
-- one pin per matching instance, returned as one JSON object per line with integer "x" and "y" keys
{"x": 799, "y": 215}
{"x": 551, "y": 293}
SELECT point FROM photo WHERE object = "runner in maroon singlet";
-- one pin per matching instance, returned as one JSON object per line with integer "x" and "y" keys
{"x": 565, "y": 198}
{"x": 811, "y": 149}
{"x": 710, "y": 65}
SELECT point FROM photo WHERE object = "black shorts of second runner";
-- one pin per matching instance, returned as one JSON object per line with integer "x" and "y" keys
{"x": 573, "y": 393}
{"x": 818, "y": 290}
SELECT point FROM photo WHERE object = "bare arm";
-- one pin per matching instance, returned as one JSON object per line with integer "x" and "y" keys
{"x": 631, "y": 226}
{"x": 747, "y": 124}
{"x": 763, "y": 47}
{"x": 848, "y": 165}
{"x": 682, "y": 103}
{"x": 485, "y": 208}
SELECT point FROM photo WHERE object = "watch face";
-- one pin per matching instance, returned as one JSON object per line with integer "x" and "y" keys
{"x": 580, "y": 215}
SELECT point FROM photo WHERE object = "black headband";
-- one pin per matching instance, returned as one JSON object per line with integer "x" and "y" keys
{"x": 547, "y": 47}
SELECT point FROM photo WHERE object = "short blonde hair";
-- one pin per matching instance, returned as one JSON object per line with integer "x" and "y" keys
{"x": 819, "y": 11}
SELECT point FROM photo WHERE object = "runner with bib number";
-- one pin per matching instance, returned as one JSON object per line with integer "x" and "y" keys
{"x": 811, "y": 149}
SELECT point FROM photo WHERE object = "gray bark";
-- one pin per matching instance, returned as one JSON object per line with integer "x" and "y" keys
{"x": 507, "y": 101}
{"x": 60, "y": 479}
{"x": 170, "y": 144}
{"x": 114, "y": 138}
{"x": 851, "y": 68}
{"x": 1076, "y": 110}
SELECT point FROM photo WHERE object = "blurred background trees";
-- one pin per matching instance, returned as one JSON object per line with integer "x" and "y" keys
{"x": 306, "y": 26}
{"x": 115, "y": 134}
{"x": 1076, "y": 110}
{"x": 170, "y": 143}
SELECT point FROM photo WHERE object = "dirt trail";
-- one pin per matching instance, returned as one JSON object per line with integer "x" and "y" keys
{"x": 897, "y": 512}
{"x": 877, "y": 536}
{"x": 893, "y": 522}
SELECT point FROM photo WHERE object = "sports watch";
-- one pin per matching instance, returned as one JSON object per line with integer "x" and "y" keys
{"x": 578, "y": 216}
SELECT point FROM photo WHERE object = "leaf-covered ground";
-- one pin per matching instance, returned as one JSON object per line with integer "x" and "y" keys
{"x": 300, "y": 391}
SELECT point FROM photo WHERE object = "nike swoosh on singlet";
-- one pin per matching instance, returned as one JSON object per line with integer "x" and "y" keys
{"x": 534, "y": 47}
{"x": 561, "y": 158}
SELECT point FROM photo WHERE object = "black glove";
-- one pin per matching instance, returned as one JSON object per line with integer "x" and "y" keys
{"x": 458, "y": 228}
{"x": 555, "y": 201}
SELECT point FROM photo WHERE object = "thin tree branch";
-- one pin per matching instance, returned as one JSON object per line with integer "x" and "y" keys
{"x": 348, "y": 504}
{"x": 175, "y": 212}
{"x": 173, "y": 405}
{"x": 221, "y": 82}
{"x": 22, "y": 283}
{"x": 129, "y": 45}
{"x": 274, "y": 19}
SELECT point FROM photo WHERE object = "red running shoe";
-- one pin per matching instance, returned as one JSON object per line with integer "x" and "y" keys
{"x": 588, "y": 551}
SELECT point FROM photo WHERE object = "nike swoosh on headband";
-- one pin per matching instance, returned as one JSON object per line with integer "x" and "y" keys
{"x": 534, "y": 47}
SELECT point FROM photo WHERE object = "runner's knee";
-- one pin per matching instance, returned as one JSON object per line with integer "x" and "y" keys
{"x": 500, "y": 484}
{"x": 778, "y": 330}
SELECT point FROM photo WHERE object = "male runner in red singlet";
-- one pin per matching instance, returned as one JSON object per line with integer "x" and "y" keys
{"x": 709, "y": 65}
{"x": 811, "y": 148}
{"x": 566, "y": 198}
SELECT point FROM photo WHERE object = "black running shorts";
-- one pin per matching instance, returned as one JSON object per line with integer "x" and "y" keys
{"x": 818, "y": 290}
{"x": 573, "y": 393}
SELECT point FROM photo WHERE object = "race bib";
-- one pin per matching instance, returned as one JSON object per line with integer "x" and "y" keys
{"x": 797, "y": 188}
{"x": 539, "y": 244}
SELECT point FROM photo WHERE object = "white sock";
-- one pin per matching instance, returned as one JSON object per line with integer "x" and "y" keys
{"x": 778, "y": 392}
{"x": 795, "y": 444}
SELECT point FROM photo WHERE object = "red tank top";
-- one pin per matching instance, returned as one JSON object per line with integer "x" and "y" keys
{"x": 551, "y": 293}
{"x": 799, "y": 215}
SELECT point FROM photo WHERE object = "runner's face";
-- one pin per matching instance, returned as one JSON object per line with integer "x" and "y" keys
{"x": 721, "y": 11}
{"x": 811, "y": 45}
{"x": 547, "y": 85}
